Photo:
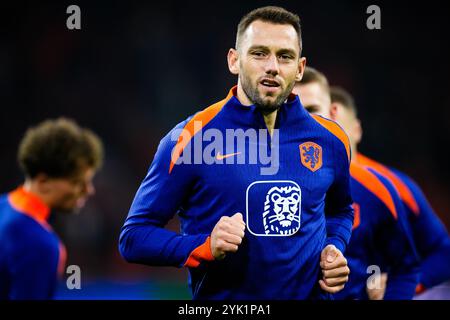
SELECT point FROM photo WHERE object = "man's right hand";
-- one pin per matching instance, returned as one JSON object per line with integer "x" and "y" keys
{"x": 377, "y": 293}
{"x": 227, "y": 235}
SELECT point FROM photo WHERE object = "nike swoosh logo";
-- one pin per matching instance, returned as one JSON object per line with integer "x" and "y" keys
{"x": 221, "y": 157}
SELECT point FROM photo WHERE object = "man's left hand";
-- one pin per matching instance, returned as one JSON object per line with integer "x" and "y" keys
{"x": 334, "y": 269}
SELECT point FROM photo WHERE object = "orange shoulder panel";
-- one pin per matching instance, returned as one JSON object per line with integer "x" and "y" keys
{"x": 192, "y": 127}
{"x": 374, "y": 185}
{"x": 336, "y": 130}
{"x": 402, "y": 189}
{"x": 30, "y": 205}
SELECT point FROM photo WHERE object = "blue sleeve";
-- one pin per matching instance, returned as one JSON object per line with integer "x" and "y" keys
{"x": 338, "y": 207}
{"x": 435, "y": 267}
{"x": 160, "y": 196}
{"x": 394, "y": 242}
{"x": 33, "y": 270}
{"x": 431, "y": 238}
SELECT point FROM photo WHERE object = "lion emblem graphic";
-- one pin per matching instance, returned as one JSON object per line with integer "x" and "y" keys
{"x": 281, "y": 211}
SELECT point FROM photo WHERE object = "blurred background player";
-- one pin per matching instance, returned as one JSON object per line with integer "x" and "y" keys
{"x": 379, "y": 231}
{"x": 312, "y": 90}
{"x": 430, "y": 235}
{"x": 59, "y": 160}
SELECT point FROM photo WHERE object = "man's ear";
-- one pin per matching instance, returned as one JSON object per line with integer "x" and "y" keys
{"x": 233, "y": 61}
{"x": 301, "y": 69}
{"x": 333, "y": 111}
{"x": 358, "y": 131}
{"x": 42, "y": 182}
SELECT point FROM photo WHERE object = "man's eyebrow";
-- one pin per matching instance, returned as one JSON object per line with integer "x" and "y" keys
{"x": 265, "y": 48}
{"x": 259, "y": 47}
{"x": 289, "y": 51}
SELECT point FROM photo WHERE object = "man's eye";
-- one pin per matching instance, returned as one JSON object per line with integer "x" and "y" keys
{"x": 77, "y": 182}
{"x": 285, "y": 57}
{"x": 259, "y": 53}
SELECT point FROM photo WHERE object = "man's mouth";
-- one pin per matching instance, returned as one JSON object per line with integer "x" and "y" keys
{"x": 81, "y": 202}
{"x": 269, "y": 83}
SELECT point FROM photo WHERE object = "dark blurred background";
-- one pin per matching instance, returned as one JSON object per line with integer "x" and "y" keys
{"x": 135, "y": 69}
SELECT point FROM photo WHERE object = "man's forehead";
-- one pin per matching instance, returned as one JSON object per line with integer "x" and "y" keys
{"x": 83, "y": 172}
{"x": 342, "y": 110}
{"x": 261, "y": 33}
{"x": 313, "y": 90}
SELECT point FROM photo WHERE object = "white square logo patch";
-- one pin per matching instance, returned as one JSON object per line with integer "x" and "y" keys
{"x": 273, "y": 208}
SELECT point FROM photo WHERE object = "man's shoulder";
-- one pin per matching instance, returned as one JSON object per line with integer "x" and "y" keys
{"x": 201, "y": 118}
{"x": 178, "y": 138}
{"x": 22, "y": 228}
{"x": 331, "y": 129}
{"x": 405, "y": 178}
{"x": 4, "y": 201}
{"x": 404, "y": 185}
{"x": 382, "y": 190}
{"x": 21, "y": 236}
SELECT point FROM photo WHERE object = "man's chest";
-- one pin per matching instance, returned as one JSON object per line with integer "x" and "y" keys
{"x": 274, "y": 189}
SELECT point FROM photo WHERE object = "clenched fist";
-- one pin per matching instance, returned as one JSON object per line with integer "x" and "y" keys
{"x": 334, "y": 269}
{"x": 227, "y": 235}
{"x": 377, "y": 291}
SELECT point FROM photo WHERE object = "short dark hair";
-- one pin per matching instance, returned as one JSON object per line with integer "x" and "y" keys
{"x": 311, "y": 75}
{"x": 343, "y": 97}
{"x": 59, "y": 148}
{"x": 272, "y": 14}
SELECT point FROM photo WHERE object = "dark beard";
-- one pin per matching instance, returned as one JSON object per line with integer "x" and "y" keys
{"x": 255, "y": 97}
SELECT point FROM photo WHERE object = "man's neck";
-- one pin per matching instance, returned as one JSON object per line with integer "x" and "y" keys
{"x": 242, "y": 97}
{"x": 269, "y": 118}
{"x": 354, "y": 147}
{"x": 31, "y": 186}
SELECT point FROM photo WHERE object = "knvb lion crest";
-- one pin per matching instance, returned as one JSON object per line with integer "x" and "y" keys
{"x": 311, "y": 155}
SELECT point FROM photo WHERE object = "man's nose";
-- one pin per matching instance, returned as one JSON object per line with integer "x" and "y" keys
{"x": 90, "y": 189}
{"x": 272, "y": 66}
